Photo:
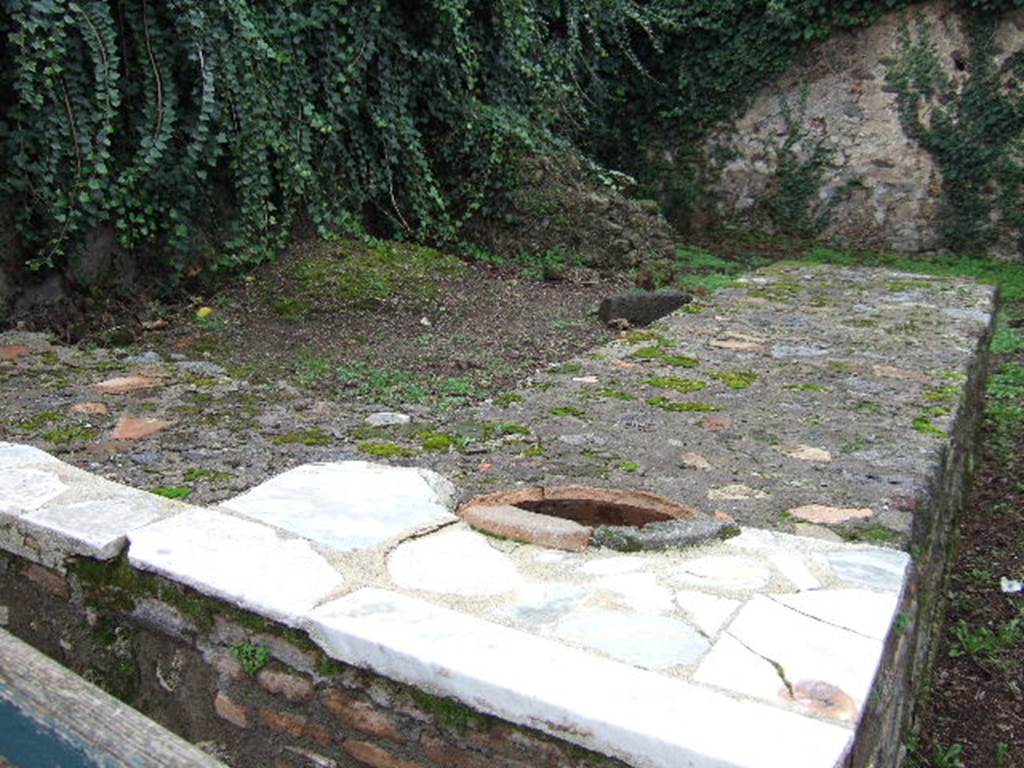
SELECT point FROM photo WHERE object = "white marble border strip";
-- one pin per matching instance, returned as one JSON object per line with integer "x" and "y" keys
{"x": 647, "y": 720}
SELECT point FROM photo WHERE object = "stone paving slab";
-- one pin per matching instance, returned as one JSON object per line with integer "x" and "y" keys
{"x": 340, "y": 505}
{"x": 242, "y": 562}
{"x": 50, "y": 510}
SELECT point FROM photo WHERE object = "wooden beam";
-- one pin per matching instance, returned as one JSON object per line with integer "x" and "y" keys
{"x": 106, "y": 729}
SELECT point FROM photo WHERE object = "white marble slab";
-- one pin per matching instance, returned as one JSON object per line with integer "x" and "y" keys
{"x": 647, "y": 720}
{"x": 26, "y": 489}
{"x": 708, "y": 612}
{"x": 808, "y": 650}
{"x": 15, "y": 455}
{"x": 643, "y": 640}
{"x": 350, "y": 505}
{"x": 241, "y": 562}
{"x": 96, "y": 529}
{"x": 453, "y": 562}
{"x": 883, "y": 569}
{"x": 859, "y": 610}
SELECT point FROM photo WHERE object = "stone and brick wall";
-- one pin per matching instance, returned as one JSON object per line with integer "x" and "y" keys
{"x": 177, "y": 661}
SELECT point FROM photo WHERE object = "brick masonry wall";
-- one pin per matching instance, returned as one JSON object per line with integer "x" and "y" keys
{"x": 175, "y": 656}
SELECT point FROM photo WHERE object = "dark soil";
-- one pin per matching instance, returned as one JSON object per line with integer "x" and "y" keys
{"x": 975, "y": 714}
{"x": 284, "y": 371}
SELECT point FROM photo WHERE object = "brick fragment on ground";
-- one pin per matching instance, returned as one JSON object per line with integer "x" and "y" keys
{"x": 123, "y": 384}
{"x": 14, "y": 351}
{"x": 90, "y": 409}
{"x": 139, "y": 428}
{"x": 819, "y": 513}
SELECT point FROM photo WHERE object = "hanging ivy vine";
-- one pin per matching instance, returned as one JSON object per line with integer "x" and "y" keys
{"x": 203, "y": 131}
{"x": 973, "y": 128}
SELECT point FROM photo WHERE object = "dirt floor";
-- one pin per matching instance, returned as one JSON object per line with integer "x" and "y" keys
{"x": 283, "y": 366}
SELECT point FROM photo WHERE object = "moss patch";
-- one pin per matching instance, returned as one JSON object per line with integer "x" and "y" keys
{"x": 677, "y": 384}
{"x": 736, "y": 379}
{"x": 671, "y": 405}
{"x": 385, "y": 450}
{"x": 568, "y": 410}
{"x": 659, "y": 354}
{"x": 69, "y": 434}
{"x": 172, "y": 491}
{"x": 442, "y": 442}
{"x": 313, "y": 436}
{"x": 368, "y": 274}
{"x": 924, "y": 425}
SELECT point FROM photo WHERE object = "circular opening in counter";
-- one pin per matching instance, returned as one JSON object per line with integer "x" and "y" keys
{"x": 575, "y": 517}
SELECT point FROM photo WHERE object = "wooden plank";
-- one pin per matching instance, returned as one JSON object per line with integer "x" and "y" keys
{"x": 106, "y": 729}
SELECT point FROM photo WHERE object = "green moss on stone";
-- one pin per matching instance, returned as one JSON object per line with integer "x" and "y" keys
{"x": 671, "y": 405}
{"x": 568, "y": 410}
{"x": 677, "y": 384}
{"x": 385, "y": 450}
{"x": 503, "y": 428}
{"x": 172, "y": 491}
{"x": 875, "y": 534}
{"x": 736, "y": 379}
{"x": 40, "y": 420}
{"x": 450, "y": 713}
{"x": 924, "y": 425}
{"x": 72, "y": 433}
{"x": 805, "y": 388}
{"x": 442, "y": 442}
{"x": 659, "y": 354}
{"x": 607, "y": 393}
{"x": 311, "y": 437}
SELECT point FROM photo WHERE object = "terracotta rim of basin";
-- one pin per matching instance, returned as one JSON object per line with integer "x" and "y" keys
{"x": 592, "y": 507}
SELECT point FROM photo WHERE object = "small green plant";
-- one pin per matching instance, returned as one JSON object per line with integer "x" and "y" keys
{"x": 984, "y": 644}
{"x": 947, "y": 757}
{"x": 535, "y": 452}
{"x": 629, "y": 466}
{"x": 253, "y": 658}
